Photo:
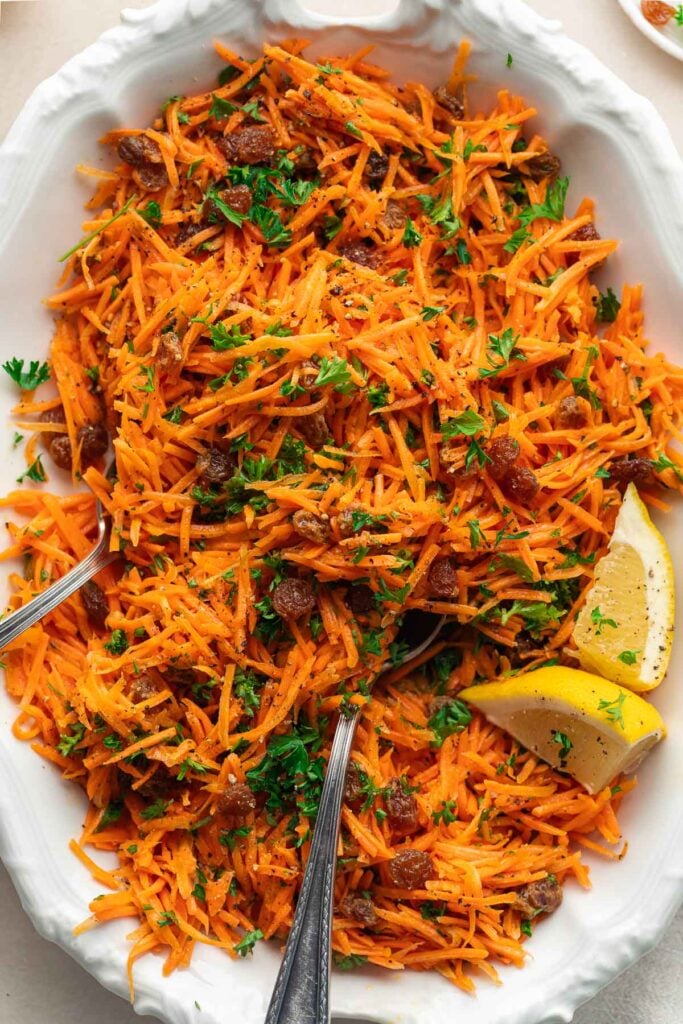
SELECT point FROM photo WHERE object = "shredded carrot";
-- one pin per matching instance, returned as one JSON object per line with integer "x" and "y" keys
{"x": 314, "y": 310}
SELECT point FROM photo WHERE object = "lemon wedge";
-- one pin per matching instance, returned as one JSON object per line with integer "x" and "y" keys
{"x": 577, "y": 722}
{"x": 625, "y": 630}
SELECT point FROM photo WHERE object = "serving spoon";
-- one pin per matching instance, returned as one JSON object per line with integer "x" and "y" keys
{"x": 301, "y": 992}
{"x": 17, "y": 622}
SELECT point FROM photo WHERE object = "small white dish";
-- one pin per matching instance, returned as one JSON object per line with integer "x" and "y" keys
{"x": 617, "y": 150}
{"x": 669, "y": 38}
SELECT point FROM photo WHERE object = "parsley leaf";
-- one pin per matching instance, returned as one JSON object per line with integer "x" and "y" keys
{"x": 628, "y": 657}
{"x": 564, "y": 743}
{"x": 378, "y": 395}
{"x": 117, "y": 643}
{"x": 411, "y": 236}
{"x": 503, "y": 347}
{"x": 614, "y": 709}
{"x": 448, "y": 719}
{"x": 246, "y": 945}
{"x": 431, "y": 312}
{"x": 600, "y": 621}
{"x": 334, "y": 371}
{"x": 465, "y": 424}
{"x": 156, "y": 810}
{"x": 69, "y": 741}
{"x": 35, "y": 472}
{"x": 223, "y": 338}
{"x": 552, "y": 208}
{"x": 151, "y": 213}
{"x": 607, "y": 306}
{"x": 270, "y": 225}
{"x": 28, "y": 380}
{"x": 349, "y": 962}
{"x": 221, "y": 109}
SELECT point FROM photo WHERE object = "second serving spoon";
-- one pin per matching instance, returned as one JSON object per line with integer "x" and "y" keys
{"x": 301, "y": 993}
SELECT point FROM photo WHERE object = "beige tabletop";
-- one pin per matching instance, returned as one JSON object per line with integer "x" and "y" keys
{"x": 38, "y": 982}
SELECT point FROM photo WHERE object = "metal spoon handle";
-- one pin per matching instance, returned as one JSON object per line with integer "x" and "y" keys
{"x": 301, "y": 993}
{"x": 15, "y": 624}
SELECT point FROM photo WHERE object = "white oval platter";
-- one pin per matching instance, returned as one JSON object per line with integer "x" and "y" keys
{"x": 615, "y": 148}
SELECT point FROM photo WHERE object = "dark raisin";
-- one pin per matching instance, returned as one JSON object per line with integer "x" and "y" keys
{"x": 410, "y": 869}
{"x": 359, "y": 253}
{"x": 236, "y": 800}
{"x": 313, "y": 428}
{"x": 503, "y": 453}
{"x": 401, "y": 806}
{"x": 570, "y": 414}
{"x": 138, "y": 150}
{"x": 238, "y": 198}
{"x": 94, "y": 441}
{"x": 449, "y": 102}
{"x": 354, "y": 791}
{"x": 306, "y": 164}
{"x": 308, "y": 374}
{"x": 626, "y": 471}
{"x": 188, "y": 231}
{"x": 588, "y": 233}
{"x": 95, "y": 604}
{"x": 540, "y": 897}
{"x": 215, "y": 467}
{"x": 345, "y": 521}
{"x": 521, "y": 484}
{"x": 151, "y": 177}
{"x": 179, "y": 675}
{"x": 143, "y": 687}
{"x": 310, "y": 526}
{"x": 376, "y": 170}
{"x": 58, "y": 445}
{"x": 254, "y": 144}
{"x": 293, "y": 598}
{"x": 543, "y": 165}
{"x": 60, "y": 451}
{"x": 442, "y": 577}
{"x": 359, "y": 908}
{"x": 170, "y": 353}
{"x": 394, "y": 215}
{"x": 360, "y": 599}
{"x": 53, "y": 415}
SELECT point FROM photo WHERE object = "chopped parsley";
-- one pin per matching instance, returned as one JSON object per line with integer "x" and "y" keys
{"x": 35, "y": 472}
{"x": 614, "y": 709}
{"x": 411, "y": 236}
{"x": 69, "y": 741}
{"x": 334, "y": 371}
{"x": 607, "y": 306}
{"x": 156, "y": 810}
{"x": 600, "y": 621}
{"x": 628, "y": 657}
{"x": 431, "y": 312}
{"x": 501, "y": 348}
{"x": 349, "y": 962}
{"x": 446, "y": 814}
{"x": 564, "y": 743}
{"x": 117, "y": 643}
{"x": 450, "y": 718}
{"x": 465, "y": 424}
{"x": 151, "y": 213}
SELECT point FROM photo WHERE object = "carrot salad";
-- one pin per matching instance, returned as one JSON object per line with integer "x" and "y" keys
{"x": 343, "y": 339}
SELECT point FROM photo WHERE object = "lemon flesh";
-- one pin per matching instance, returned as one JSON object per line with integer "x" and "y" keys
{"x": 625, "y": 630}
{"x": 580, "y": 724}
